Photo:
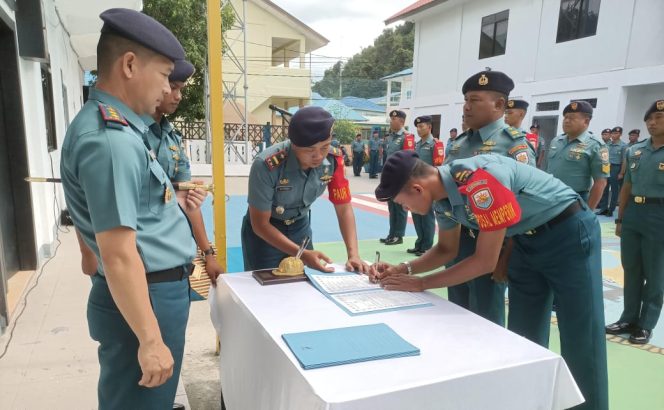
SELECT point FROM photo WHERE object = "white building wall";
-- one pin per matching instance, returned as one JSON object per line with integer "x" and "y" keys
{"x": 64, "y": 68}
{"x": 612, "y": 66}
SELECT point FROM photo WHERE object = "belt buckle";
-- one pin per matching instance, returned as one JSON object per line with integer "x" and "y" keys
{"x": 289, "y": 222}
{"x": 639, "y": 199}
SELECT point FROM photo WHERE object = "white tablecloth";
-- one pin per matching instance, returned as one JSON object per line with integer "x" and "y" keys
{"x": 466, "y": 362}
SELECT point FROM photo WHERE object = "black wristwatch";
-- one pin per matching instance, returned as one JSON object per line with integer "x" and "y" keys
{"x": 618, "y": 221}
{"x": 209, "y": 251}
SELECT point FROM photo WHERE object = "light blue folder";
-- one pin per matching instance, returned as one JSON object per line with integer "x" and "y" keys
{"x": 333, "y": 347}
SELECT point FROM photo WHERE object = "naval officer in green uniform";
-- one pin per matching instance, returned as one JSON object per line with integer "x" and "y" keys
{"x": 374, "y": 153}
{"x": 358, "y": 149}
{"x": 397, "y": 139}
{"x": 284, "y": 181}
{"x": 640, "y": 225}
{"x": 424, "y": 224}
{"x": 166, "y": 142}
{"x": 577, "y": 157}
{"x": 556, "y": 252}
{"x": 617, "y": 148}
{"x": 486, "y": 95}
{"x": 123, "y": 205}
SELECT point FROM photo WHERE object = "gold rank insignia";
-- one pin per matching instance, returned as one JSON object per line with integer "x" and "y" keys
{"x": 283, "y": 181}
{"x": 490, "y": 143}
{"x": 279, "y": 210}
{"x": 176, "y": 157}
{"x": 637, "y": 153}
{"x": 606, "y": 168}
{"x": 168, "y": 195}
{"x": 326, "y": 178}
{"x": 484, "y": 80}
{"x": 173, "y": 147}
{"x": 660, "y": 105}
{"x": 661, "y": 166}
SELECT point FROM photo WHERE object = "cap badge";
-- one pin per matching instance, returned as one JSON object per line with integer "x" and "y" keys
{"x": 660, "y": 105}
{"x": 574, "y": 106}
{"x": 484, "y": 80}
{"x": 510, "y": 103}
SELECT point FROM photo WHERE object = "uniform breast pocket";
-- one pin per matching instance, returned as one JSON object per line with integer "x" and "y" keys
{"x": 576, "y": 156}
{"x": 161, "y": 195}
{"x": 634, "y": 164}
{"x": 285, "y": 196}
{"x": 659, "y": 173}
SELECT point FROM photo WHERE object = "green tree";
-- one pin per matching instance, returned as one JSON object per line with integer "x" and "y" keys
{"x": 187, "y": 20}
{"x": 392, "y": 51}
{"x": 345, "y": 130}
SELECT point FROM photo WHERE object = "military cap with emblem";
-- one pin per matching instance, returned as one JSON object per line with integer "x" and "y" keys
{"x": 605, "y": 130}
{"x": 489, "y": 80}
{"x": 422, "y": 119}
{"x": 536, "y": 126}
{"x": 142, "y": 29}
{"x": 617, "y": 129}
{"x": 657, "y": 106}
{"x": 579, "y": 106}
{"x": 635, "y": 131}
{"x": 453, "y": 129}
{"x": 517, "y": 104}
{"x": 397, "y": 113}
{"x": 182, "y": 71}
{"x": 310, "y": 125}
{"x": 395, "y": 174}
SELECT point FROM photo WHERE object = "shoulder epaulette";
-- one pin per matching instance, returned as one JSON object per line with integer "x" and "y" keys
{"x": 275, "y": 159}
{"x": 335, "y": 151}
{"x": 112, "y": 117}
{"x": 597, "y": 139}
{"x": 514, "y": 132}
{"x": 461, "y": 173}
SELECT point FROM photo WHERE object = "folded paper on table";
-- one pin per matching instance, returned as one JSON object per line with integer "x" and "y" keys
{"x": 333, "y": 347}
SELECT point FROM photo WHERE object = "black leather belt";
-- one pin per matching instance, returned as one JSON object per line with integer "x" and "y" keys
{"x": 287, "y": 222}
{"x": 566, "y": 213}
{"x": 170, "y": 275}
{"x": 647, "y": 200}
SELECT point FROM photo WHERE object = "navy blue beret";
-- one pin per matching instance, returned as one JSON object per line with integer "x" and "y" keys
{"x": 310, "y": 125}
{"x": 489, "y": 81}
{"x": 395, "y": 174}
{"x": 142, "y": 29}
{"x": 453, "y": 129}
{"x": 605, "y": 130}
{"x": 617, "y": 129}
{"x": 182, "y": 71}
{"x": 423, "y": 118}
{"x": 517, "y": 104}
{"x": 579, "y": 106}
{"x": 397, "y": 113}
{"x": 635, "y": 131}
{"x": 657, "y": 106}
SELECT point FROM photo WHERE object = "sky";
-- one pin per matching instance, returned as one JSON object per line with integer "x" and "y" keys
{"x": 350, "y": 25}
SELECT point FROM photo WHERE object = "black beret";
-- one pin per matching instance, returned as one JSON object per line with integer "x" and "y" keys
{"x": 657, "y": 106}
{"x": 397, "y": 113}
{"x": 617, "y": 129}
{"x": 395, "y": 174}
{"x": 489, "y": 81}
{"x": 579, "y": 106}
{"x": 635, "y": 131}
{"x": 605, "y": 130}
{"x": 517, "y": 104}
{"x": 537, "y": 126}
{"x": 182, "y": 71}
{"x": 422, "y": 118}
{"x": 142, "y": 29}
{"x": 310, "y": 125}
{"x": 453, "y": 129}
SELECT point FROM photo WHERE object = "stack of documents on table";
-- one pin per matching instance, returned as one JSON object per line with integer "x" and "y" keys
{"x": 355, "y": 294}
{"x": 333, "y": 347}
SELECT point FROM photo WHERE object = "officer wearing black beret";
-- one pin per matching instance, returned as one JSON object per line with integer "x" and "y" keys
{"x": 514, "y": 116}
{"x": 486, "y": 97}
{"x": 122, "y": 202}
{"x": 617, "y": 149}
{"x": 397, "y": 139}
{"x": 284, "y": 181}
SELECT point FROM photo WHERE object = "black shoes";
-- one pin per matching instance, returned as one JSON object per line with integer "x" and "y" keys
{"x": 395, "y": 240}
{"x": 640, "y": 336}
{"x": 387, "y": 238}
{"x": 602, "y": 212}
{"x": 413, "y": 250}
{"x": 178, "y": 406}
{"x": 619, "y": 328}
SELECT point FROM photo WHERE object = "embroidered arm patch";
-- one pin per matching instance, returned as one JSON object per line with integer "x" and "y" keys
{"x": 493, "y": 204}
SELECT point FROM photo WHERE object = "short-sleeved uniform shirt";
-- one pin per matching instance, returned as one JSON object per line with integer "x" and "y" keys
{"x": 424, "y": 148}
{"x": 166, "y": 142}
{"x": 579, "y": 161}
{"x": 477, "y": 188}
{"x": 111, "y": 179}
{"x": 645, "y": 169}
{"x": 357, "y": 146}
{"x": 616, "y": 151}
{"x": 374, "y": 144}
{"x": 495, "y": 138}
{"x": 395, "y": 141}
{"x": 279, "y": 185}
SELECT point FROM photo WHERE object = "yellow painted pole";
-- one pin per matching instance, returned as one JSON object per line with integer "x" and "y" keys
{"x": 217, "y": 127}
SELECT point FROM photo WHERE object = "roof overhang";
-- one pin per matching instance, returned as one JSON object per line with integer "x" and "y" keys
{"x": 314, "y": 40}
{"x": 81, "y": 20}
{"x": 415, "y": 8}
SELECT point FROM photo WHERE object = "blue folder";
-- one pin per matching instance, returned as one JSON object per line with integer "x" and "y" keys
{"x": 333, "y": 347}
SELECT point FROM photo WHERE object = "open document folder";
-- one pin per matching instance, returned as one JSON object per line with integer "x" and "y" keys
{"x": 357, "y": 296}
{"x": 333, "y": 347}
